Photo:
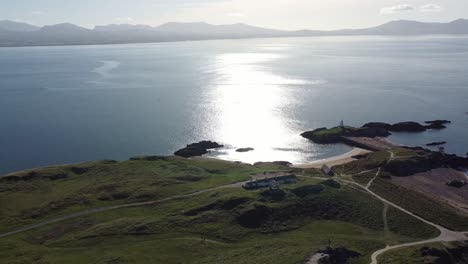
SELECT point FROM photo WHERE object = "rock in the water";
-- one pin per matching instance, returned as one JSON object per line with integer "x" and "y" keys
{"x": 436, "y": 143}
{"x": 443, "y": 122}
{"x": 456, "y": 184}
{"x": 206, "y": 145}
{"x": 408, "y": 127}
{"x": 283, "y": 163}
{"x": 378, "y": 125}
{"x": 197, "y": 149}
{"x": 245, "y": 149}
{"x": 437, "y": 124}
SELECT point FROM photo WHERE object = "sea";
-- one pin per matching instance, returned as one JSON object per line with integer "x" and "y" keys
{"x": 70, "y": 104}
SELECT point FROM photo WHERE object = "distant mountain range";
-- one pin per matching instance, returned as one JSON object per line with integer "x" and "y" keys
{"x": 23, "y": 34}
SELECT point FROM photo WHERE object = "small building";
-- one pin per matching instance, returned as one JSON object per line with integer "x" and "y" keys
{"x": 273, "y": 182}
{"x": 327, "y": 170}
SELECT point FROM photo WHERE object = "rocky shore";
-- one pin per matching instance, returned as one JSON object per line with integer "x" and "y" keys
{"x": 197, "y": 149}
{"x": 371, "y": 130}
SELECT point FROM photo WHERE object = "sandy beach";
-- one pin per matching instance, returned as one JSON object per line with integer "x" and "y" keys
{"x": 333, "y": 161}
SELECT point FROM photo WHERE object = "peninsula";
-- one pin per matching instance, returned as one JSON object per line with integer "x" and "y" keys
{"x": 395, "y": 204}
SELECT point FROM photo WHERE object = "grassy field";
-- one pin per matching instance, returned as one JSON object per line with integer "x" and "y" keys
{"x": 220, "y": 226}
{"x": 30, "y": 196}
{"x": 434, "y": 253}
{"x": 423, "y": 206}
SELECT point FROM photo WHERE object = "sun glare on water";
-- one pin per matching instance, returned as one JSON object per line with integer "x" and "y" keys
{"x": 251, "y": 104}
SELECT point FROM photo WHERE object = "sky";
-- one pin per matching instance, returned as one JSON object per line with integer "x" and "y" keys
{"x": 279, "y": 14}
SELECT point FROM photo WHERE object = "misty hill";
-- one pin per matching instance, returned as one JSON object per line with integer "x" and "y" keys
{"x": 121, "y": 28}
{"x": 7, "y": 25}
{"x": 22, "y": 34}
{"x": 202, "y": 28}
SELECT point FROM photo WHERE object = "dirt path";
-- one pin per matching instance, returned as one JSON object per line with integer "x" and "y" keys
{"x": 385, "y": 221}
{"x": 114, "y": 207}
{"x": 446, "y": 235}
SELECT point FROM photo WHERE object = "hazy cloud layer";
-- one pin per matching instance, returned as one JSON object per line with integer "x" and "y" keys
{"x": 397, "y": 9}
{"x": 402, "y": 8}
{"x": 431, "y": 8}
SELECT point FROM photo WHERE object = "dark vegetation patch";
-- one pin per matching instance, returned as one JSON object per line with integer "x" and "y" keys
{"x": 114, "y": 196}
{"x": 447, "y": 255}
{"x": 421, "y": 205}
{"x": 60, "y": 230}
{"x": 56, "y": 206}
{"x": 255, "y": 217}
{"x": 273, "y": 195}
{"x": 403, "y": 224}
{"x": 35, "y": 175}
{"x": 277, "y": 163}
{"x": 190, "y": 178}
{"x": 339, "y": 255}
{"x": 149, "y": 158}
{"x": 364, "y": 178}
{"x": 228, "y": 204}
{"x": 331, "y": 183}
{"x": 306, "y": 190}
{"x": 79, "y": 170}
{"x": 332, "y": 204}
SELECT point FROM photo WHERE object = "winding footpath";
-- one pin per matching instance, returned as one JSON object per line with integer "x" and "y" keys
{"x": 113, "y": 207}
{"x": 446, "y": 235}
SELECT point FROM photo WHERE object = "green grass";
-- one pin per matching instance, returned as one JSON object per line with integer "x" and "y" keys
{"x": 413, "y": 255}
{"x": 105, "y": 183}
{"x": 421, "y": 205}
{"x": 371, "y": 162}
{"x": 207, "y": 228}
{"x": 364, "y": 178}
{"x": 405, "y": 225}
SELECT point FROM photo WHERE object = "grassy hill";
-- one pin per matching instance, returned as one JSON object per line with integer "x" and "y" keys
{"x": 221, "y": 225}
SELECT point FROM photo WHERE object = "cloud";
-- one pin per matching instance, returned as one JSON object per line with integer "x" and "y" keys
{"x": 237, "y": 15}
{"x": 124, "y": 19}
{"x": 397, "y": 9}
{"x": 430, "y": 8}
{"x": 37, "y": 13}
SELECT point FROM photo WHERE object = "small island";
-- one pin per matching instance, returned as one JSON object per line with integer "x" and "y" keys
{"x": 197, "y": 149}
{"x": 245, "y": 149}
{"x": 346, "y": 134}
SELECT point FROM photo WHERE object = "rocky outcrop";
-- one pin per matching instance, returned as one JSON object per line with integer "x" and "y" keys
{"x": 245, "y": 149}
{"x": 436, "y": 144}
{"x": 424, "y": 161}
{"x": 437, "y": 124}
{"x": 378, "y": 125}
{"x": 456, "y": 184}
{"x": 197, "y": 149}
{"x": 408, "y": 127}
{"x": 334, "y": 135}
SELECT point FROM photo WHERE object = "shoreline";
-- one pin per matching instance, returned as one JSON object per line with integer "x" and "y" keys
{"x": 333, "y": 161}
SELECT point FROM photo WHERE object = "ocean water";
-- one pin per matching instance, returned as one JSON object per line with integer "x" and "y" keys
{"x": 79, "y": 103}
